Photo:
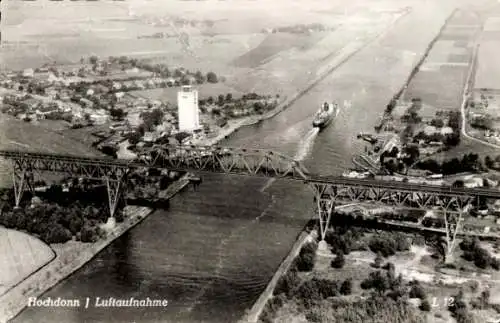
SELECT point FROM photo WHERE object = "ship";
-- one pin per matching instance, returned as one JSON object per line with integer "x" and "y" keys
{"x": 325, "y": 115}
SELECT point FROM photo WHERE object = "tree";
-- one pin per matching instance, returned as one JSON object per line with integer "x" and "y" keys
{"x": 123, "y": 60}
{"x": 339, "y": 261}
{"x": 56, "y": 233}
{"x": 417, "y": 291}
{"x": 180, "y": 136}
{"x": 458, "y": 309}
{"x": 306, "y": 258}
{"x": 229, "y": 97}
{"x": 425, "y": 305}
{"x": 387, "y": 244}
{"x": 212, "y": 77}
{"x": 346, "y": 287}
{"x": 109, "y": 150}
{"x": 220, "y": 99}
{"x": 152, "y": 118}
{"x": 200, "y": 78}
{"x": 87, "y": 118}
{"x": 482, "y": 258}
{"x": 93, "y": 59}
{"x": 141, "y": 129}
{"x": 438, "y": 123}
{"x": 305, "y": 262}
{"x": 389, "y": 267}
{"x": 488, "y": 161}
{"x": 390, "y": 107}
{"x": 134, "y": 137}
{"x": 117, "y": 114}
{"x": 412, "y": 153}
{"x": 484, "y": 298}
{"x": 75, "y": 224}
{"x": 88, "y": 234}
{"x": 376, "y": 280}
{"x": 378, "y": 260}
{"x": 340, "y": 243}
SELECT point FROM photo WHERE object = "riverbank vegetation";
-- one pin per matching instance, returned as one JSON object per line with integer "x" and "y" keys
{"x": 468, "y": 163}
{"x": 340, "y": 284}
{"x": 56, "y": 216}
{"x": 319, "y": 298}
{"x": 477, "y": 254}
{"x": 75, "y": 209}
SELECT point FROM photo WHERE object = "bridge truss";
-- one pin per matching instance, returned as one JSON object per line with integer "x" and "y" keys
{"x": 452, "y": 202}
{"x": 113, "y": 172}
{"x": 26, "y": 165}
{"x": 255, "y": 162}
{"x": 328, "y": 191}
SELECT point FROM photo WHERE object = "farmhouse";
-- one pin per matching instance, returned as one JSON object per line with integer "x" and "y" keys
{"x": 473, "y": 182}
{"x": 28, "y": 72}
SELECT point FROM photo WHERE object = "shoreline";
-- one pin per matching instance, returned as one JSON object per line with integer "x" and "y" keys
{"x": 252, "y": 316}
{"x": 66, "y": 262}
{"x": 339, "y": 58}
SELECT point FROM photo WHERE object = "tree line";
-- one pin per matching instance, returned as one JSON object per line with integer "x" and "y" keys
{"x": 60, "y": 216}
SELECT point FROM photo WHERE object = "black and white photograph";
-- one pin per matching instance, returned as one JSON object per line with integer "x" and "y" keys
{"x": 250, "y": 161}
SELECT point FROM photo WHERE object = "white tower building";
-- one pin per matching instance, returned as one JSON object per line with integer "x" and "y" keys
{"x": 187, "y": 103}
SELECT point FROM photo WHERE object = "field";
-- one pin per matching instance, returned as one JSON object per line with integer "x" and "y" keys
{"x": 488, "y": 70}
{"x": 170, "y": 94}
{"x": 229, "y": 38}
{"x": 466, "y": 146}
{"x": 22, "y": 254}
{"x": 441, "y": 78}
{"x": 19, "y": 135}
{"x": 274, "y": 44}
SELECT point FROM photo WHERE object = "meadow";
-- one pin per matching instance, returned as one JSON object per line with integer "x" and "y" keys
{"x": 229, "y": 38}
{"x": 488, "y": 70}
{"x": 21, "y": 255}
{"x": 441, "y": 78}
{"x": 20, "y": 135}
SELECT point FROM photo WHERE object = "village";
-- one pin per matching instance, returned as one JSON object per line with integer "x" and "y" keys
{"x": 483, "y": 115}
{"x": 126, "y": 104}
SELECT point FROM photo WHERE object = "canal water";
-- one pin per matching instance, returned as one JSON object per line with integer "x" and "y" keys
{"x": 213, "y": 252}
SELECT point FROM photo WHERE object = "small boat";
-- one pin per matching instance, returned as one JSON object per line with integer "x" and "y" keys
{"x": 368, "y": 137}
{"x": 325, "y": 115}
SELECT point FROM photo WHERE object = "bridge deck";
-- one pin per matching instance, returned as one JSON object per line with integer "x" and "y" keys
{"x": 197, "y": 159}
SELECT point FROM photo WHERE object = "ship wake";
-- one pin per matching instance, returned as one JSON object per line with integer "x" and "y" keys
{"x": 306, "y": 144}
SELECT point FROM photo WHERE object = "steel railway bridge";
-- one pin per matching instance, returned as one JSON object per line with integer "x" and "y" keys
{"x": 328, "y": 191}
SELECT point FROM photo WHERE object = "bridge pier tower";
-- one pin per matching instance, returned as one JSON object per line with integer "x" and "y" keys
{"x": 115, "y": 189}
{"x": 453, "y": 223}
{"x": 325, "y": 205}
{"x": 22, "y": 180}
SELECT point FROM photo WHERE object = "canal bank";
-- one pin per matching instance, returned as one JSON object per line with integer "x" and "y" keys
{"x": 337, "y": 59}
{"x": 252, "y": 316}
{"x": 71, "y": 257}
